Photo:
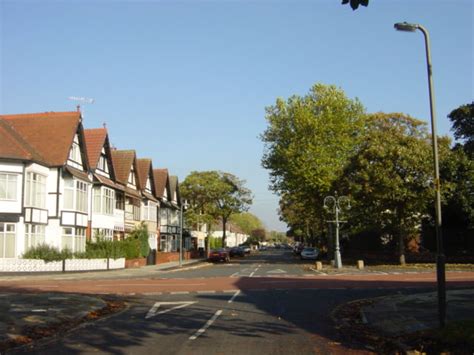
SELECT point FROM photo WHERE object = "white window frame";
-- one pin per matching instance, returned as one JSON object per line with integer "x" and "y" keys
{"x": 7, "y": 230}
{"x": 150, "y": 211}
{"x": 35, "y": 195}
{"x": 8, "y": 187}
{"x": 34, "y": 235}
{"x": 103, "y": 201}
{"x": 73, "y": 239}
{"x": 75, "y": 151}
{"x": 79, "y": 191}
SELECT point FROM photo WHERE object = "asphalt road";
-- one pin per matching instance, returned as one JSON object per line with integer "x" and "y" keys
{"x": 269, "y": 303}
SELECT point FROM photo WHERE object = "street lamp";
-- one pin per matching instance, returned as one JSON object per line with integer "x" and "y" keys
{"x": 336, "y": 204}
{"x": 440, "y": 257}
{"x": 183, "y": 206}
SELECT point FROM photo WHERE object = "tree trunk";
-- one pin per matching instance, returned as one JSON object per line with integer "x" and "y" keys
{"x": 401, "y": 249}
{"x": 224, "y": 224}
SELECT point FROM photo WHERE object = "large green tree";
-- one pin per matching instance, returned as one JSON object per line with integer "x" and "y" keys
{"x": 389, "y": 177}
{"x": 215, "y": 195}
{"x": 308, "y": 142}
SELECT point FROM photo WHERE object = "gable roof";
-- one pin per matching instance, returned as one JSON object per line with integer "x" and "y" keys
{"x": 45, "y": 137}
{"x": 95, "y": 140}
{"x": 122, "y": 160}
{"x": 174, "y": 187}
{"x": 161, "y": 179}
{"x": 145, "y": 171}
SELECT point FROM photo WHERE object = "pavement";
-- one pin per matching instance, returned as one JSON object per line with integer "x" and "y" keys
{"x": 391, "y": 315}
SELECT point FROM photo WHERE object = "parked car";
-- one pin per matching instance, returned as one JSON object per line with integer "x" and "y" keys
{"x": 309, "y": 253}
{"x": 246, "y": 249}
{"x": 237, "y": 251}
{"x": 219, "y": 255}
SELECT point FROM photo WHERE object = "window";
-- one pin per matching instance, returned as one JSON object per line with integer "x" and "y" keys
{"x": 131, "y": 177}
{"x": 75, "y": 195}
{"x": 74, "y": 239}
{"x": 148, "y": 185}
{"x": 35, "y": 190}
{"x": 7, "y": 240}
{"x": 103, "y": 200}
{"x": 150, "y": 211}
{"x": 119, "y": 201}
{"x": 103, "y": 163}
{"x": 8, "y": 186}
{"x": 75, "y": 152}
{"x": 103, "y": 233}
{"x": 136, "y": 213}
{"x": 34, "y": 235}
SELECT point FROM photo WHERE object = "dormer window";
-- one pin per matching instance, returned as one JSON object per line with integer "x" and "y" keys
{"x": 103, "y": 163}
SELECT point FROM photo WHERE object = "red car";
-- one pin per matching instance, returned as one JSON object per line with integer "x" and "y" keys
{"x": 219, "y": 255}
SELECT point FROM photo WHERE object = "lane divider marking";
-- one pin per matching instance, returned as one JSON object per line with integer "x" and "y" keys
{"x": 207, "y": 325}
{"x": 234, "y": 296}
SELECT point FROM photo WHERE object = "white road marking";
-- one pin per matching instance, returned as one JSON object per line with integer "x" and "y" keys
{"x": 234, "y": 296}
{"x": 179, "y": 293}
{"x": 207, "y": 325}
{"x": 153, "y": 310}
{"x": 276, "y": 271}
{"x": 252, "y": 274}
{"x": 234, "y": 274}
{"x": 204, "y": 292}
{"x": 228, "y": 291}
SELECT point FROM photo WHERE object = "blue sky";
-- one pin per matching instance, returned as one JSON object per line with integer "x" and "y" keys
{"x": 186, "y": 83}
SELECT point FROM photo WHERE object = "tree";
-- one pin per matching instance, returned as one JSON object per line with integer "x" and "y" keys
{"x": 462, "y": 119}
{"x": 355, "y": 3}
{"x": 308, "y": 142}
{"x": 389, "y": 177}
{"x": 246, "y": 221}
{"x": 214, "y": 195}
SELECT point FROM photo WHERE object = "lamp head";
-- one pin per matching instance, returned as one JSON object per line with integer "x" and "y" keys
{"x": 406, "y": 27}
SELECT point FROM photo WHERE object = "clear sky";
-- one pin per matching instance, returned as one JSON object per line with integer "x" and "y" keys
{"x": 186, "y": 82}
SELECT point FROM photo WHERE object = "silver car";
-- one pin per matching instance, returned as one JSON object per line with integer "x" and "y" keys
{"x": 309, "y": 254}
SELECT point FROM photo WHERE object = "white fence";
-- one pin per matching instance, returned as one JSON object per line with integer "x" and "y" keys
{"x": 35, "y": 265}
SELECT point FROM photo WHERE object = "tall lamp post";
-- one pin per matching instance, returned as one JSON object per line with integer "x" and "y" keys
{"x": 440, "y": 257}
{"x": 183, "y": 206}
{"x": 336, "y": 204}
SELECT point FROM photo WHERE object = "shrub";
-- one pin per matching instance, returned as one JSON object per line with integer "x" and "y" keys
{"x": 47, "y": 253}
{"x": 140, "y": 233}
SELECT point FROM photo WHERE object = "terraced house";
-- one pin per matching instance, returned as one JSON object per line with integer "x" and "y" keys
{"x": 44, "y": 182}
{"x": 61, "y": 185}
{"x": 108, "y": 205}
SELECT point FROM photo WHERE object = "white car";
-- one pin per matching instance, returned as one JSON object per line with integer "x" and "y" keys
{"x": 309, "y": 254}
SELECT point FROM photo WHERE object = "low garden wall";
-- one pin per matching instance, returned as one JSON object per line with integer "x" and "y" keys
{"x": 36, "y": 265}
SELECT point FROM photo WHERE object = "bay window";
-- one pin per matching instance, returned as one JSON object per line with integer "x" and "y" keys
{"x": 75, "y": 195}
{"x": 104, "y": 200}
{"x": 8, "y": 186}
{"x": 34, "y": 235}
{"x": 7, "y": 240}
{"x": 35, "y": 190}
{"x": 74, "y": 239}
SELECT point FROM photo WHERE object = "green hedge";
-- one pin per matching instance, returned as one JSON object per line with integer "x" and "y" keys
{"x": 47, "y": 253}
{"x": 132, "y": 247}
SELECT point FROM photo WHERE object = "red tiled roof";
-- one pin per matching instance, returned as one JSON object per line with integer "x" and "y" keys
{"x": 122, "y": 161}
{"x": 143, "y": 171}
{"x": 161, "y": 181}
{"x": 11, "y": 144}
{"x": 174, "y": 187}
{"x": 46, "y": 137}
{"x": 95, "y": 140}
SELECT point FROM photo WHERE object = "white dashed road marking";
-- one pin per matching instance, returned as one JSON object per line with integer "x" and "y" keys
{"x": 207, "y": 325}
